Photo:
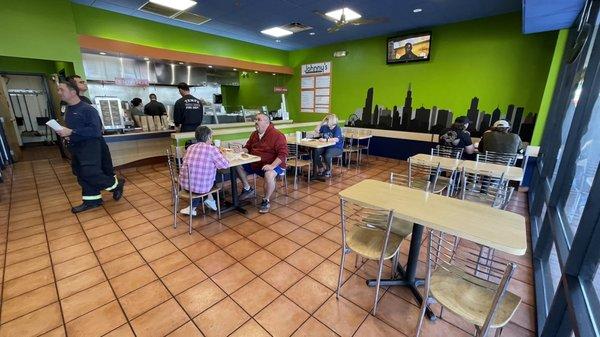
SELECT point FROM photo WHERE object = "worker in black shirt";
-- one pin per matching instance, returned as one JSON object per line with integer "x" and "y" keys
{"x": 89, "y": 155}
{"x": 188, "y": 111}
{"x": 81, "y": 85}
{"x": 154, "y": 107}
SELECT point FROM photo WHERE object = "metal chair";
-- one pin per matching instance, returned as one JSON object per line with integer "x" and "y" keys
{"x": 349, "y": 149}
{"x": 485, "y": 187}
{"x": 472, "y": 288}
{"x": 176, "y": 165}
{"x": 362, "y": 147}
{"x": 294, "y": 160}
{"x": 422, "y": 177}
{"x": 369, "y": 233}
{"x": 447, "y": 151}
{"x": 509, "y": 159}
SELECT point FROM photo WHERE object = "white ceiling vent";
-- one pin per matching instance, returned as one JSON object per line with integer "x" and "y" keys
{"x": 191, "y": 18}
{"x": 158, "y": 10}
{"x": 296, "y": 27}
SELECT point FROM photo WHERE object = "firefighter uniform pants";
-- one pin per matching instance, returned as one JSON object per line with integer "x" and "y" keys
{"x": 92, "y": 165}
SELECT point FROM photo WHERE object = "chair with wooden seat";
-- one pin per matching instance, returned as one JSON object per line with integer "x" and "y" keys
{"x": 485, "y": 187}
{"x": 423, "y": 177}
{"x": 500, "y": 158}
{"x": 370, "y": 234}
{"x": 473, "y": 289}
{"x": 447, "y": 151}
{"x": 176, "y": 164}
{"x": 295, "y": 161}
{"x": 348, "y": 149}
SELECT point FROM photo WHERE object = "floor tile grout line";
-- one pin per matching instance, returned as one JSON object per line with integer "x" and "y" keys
{"x": 9, "y": 203}
{"x": 103, "y": 272}
{"x": 64, "y": 323}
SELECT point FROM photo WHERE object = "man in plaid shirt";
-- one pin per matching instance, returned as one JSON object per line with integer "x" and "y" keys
{"x": 203, "y": 160}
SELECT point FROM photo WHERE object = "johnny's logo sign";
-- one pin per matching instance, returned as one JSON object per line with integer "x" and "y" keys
{"x": 316, "y": 68}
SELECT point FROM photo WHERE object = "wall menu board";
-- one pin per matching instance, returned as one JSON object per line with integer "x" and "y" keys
{"x": 315, "y": 87}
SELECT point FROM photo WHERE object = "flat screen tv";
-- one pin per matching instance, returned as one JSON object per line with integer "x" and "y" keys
{"x": 409, "y": 48}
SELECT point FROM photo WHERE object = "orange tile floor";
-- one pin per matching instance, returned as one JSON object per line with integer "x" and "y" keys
{"x": 123, "y": 270}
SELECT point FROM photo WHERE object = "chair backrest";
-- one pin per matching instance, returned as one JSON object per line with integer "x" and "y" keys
{"x": 446, "y": 254}
{"x": 376, "y": 219}
{"x": 348, "y": 141}
{"x": 485, "y": 187}
{"x": 509, "y": 159}
{"x": 418, "y": 176}
{"x": 447, "y": 151}
{"x": 292, "y": 151}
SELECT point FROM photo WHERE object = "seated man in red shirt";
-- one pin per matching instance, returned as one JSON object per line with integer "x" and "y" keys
{"x": 271, "y": 146}
{"x": 202, "y": 159}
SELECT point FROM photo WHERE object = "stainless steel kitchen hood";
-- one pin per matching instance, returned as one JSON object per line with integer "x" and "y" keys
{"x": 110, "y": 68}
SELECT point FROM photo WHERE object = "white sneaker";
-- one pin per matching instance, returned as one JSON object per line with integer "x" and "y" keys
{"x": 186, "y": 211}
{"x": 212, "y": 204}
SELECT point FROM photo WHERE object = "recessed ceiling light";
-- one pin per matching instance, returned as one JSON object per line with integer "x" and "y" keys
{"x": 180, "y": 62}
{"x": 179, "y": 5}
{"x": 234, "y": 69}
{"x": 274, "y": 74}
{"x": 312, "y": 33}
{"x": 146, "y": 59}
{"x": 102, "y": 53}
{"x": 210, "y": 66}
{"x": 417, "y": 10}
{"x": 277, "y": 41}
{"x": 256, "y": 72}
{"x": 276, "y": 32}
{"x": 348, "y": 13}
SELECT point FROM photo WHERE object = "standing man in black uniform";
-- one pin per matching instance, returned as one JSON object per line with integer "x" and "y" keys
{"x": 154, "y": 107}
{"x": 188, "y": 111}
{"x": 88, "y": 155}
{"x": 81, "y": 85}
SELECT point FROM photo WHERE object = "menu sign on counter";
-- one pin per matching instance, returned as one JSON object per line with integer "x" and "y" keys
{"x": 315, "y": 87}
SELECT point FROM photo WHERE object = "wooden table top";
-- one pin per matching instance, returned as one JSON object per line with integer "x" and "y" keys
{"x": 357, "y": 135}
{"x": 510, "y": 172}
{"x": 482, "y": 224}
{"x": 237, "y": 159}
{"x": 314, "y": 143}
{"x": 427, "y": 159}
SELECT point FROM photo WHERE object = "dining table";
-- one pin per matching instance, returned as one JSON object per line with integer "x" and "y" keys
{"x": 495, "y": 228}
{"x": 236, "y": 159}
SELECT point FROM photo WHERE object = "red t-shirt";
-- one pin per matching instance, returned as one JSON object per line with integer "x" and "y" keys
{"x": 272, "y": 145}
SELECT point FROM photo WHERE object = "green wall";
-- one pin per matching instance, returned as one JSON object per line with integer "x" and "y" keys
{"x": 489, "y": 58}
{"x": 39, "y": 29}
{"x": 110, "y": 25}
{"x": 23, "y": 65}
{"x": 559, "y": 50}
{"x": 255, "y": 90}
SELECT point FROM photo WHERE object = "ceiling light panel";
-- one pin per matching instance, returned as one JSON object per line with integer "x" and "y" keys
{"x": 337, "y": 14}
{"x": 179, "y": 5}
{"x": 276, "y": 32}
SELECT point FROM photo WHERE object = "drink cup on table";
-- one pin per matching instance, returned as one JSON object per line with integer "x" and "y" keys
{"x": 217, "y": 142}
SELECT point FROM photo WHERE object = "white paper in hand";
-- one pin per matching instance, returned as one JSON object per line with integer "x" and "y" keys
{"x": 54, "y": 125}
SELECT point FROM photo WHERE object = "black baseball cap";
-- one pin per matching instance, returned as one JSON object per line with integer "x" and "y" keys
{"x": 462, "y": 120}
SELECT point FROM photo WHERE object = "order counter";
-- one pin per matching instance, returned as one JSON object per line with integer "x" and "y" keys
{"x": 137, "y": 146}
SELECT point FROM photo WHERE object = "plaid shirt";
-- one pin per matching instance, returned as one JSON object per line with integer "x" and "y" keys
{"x": 203, "y": 161}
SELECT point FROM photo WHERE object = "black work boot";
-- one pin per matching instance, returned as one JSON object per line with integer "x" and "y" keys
{"x": 118, "y": 191}
{"x": 86, "y": 205}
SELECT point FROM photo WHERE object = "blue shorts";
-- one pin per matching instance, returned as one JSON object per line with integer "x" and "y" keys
{"x": 249, "y": 170}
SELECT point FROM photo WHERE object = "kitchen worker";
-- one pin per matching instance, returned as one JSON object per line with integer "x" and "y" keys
{"x": 90, "y": 157}
{"x": 188, "y": 111}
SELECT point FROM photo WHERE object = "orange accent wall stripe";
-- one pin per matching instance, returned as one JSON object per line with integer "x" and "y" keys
{"x": 114, "y": 46}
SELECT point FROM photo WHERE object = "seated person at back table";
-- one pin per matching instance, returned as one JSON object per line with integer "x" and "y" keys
{"x": 457, "y": 136}
{"x": 328, "y": 131}
{"x": 271, "y": 146}
{"x": 499, "y": 139}
{"x": 203, "y": 160}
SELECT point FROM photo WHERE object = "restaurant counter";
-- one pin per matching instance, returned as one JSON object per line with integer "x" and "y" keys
{"x": 134, "y": 146}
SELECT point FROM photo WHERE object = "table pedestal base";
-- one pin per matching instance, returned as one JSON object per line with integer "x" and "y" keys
{"x": 407, "y": 277}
